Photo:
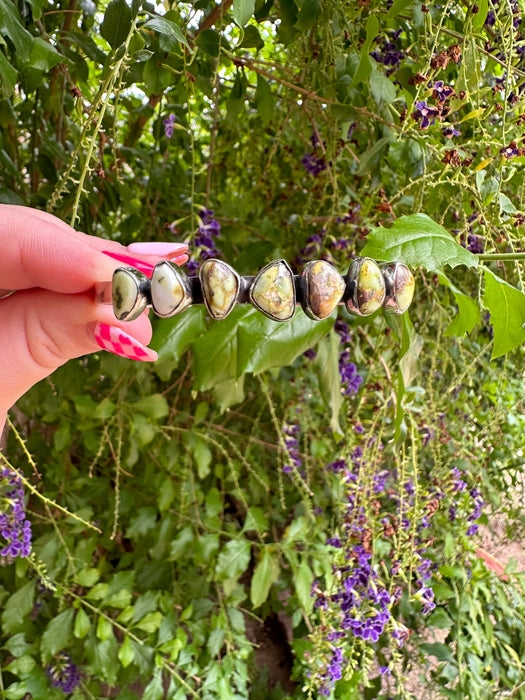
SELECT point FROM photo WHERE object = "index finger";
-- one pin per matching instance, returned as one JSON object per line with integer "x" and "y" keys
{"x": 39, "y": 250}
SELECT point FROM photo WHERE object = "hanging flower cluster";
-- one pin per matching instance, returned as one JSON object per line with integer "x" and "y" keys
{"x": 14, "y": 527}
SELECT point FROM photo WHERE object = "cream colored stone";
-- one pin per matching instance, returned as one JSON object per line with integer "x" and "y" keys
{"x": 273, "y": 291}
{"x": 220, "y": 287}
{"x": 370, "y": 287}
{"x": 325, "y": 288}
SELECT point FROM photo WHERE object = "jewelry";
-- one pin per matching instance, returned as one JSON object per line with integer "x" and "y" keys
{"x": 275, "y": 290}
{"x": 4, "y": 293}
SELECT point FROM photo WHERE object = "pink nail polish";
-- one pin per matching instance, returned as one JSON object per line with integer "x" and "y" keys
{"x": 163, "y": 250}
{"x": 179, "y": 260}
{"x": 119, "y": 342}
{"x": 144, "y": 267}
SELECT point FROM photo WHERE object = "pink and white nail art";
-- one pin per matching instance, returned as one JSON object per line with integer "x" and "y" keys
{"x": 119, "y": 342}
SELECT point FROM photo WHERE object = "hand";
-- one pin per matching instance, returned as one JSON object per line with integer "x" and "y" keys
{"x": 52, "y": 316}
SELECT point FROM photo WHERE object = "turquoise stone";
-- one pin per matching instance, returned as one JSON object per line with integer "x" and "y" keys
{"x": 128, "y": 293}
{"x": 367, "y": 287}
{"x": 273, "y": 291}
{"x": 170, "y": 290}
{"x": 220, "y": 286}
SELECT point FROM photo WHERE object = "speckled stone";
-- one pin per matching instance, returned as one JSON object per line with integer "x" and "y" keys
{"x": 273, "y": 291}
{"x": 128, "y": 299}
{"x": 367, "y": 287}
{"x": 170, "y": 293}
{"x": 322, "y": 287}
{"x": 400, "y": 287}
{"x": 220, "y": 287}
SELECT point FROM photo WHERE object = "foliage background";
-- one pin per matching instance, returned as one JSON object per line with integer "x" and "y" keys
{"x": 192, "y": 515}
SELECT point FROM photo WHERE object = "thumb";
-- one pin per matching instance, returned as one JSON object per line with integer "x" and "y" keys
{"x": 41, "y": 330}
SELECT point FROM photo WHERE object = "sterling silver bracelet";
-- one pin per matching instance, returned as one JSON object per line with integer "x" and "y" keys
{"x": 275, "y": 290}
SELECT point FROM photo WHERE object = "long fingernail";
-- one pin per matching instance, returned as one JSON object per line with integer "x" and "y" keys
{"x": 119, "y": 342}
{"x": 179, "y": 260}
{"x": 163, "y": 250}
{"x": 144, "y": 267}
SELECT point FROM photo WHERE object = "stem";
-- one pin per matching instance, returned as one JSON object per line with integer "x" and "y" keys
{"x": 500, "y": 256}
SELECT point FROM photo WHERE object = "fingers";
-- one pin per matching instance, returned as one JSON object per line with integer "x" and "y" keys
{"x": 41, "y": 330}
{"x": 39, "y": 250}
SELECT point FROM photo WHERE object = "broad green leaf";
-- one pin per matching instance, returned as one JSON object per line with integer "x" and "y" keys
{"x": 468, "y": 314}
{"x": 203, "y": 456}
{"x": 11, "y": 25}
{"x": 327, "y": 365}
{"x": 8, "y": 76}
{"x": 116, "y": 24}
{"x": 242, "y": 11}
{"x": 169, "y": 30}
{"x": 507, "y": 314}
{"x": 87, "y": 577}
{"x": 43, "y": 56}
{"x": 382, "y": 88}
{"x": 440, "y": 619}
{"x": 234, "y": 559}
{"x": 21, "y": 666}
{"x": 126, "y": 653}
{"x": 57, "y": 635}
{"x": 365, "y": 65}
{"x": 36, "y": 685}
{"x": 266, "y": 573}
{"x": 151, "y": 622}
{"x": 248, "y": 341}
{"x": 506, "y": 205}
{"x": 417, "y": 240}
{"x": 308, "y": 14}
{"x": 399, "y": 6}
{"x": 370, "y": 159}
{"x": 104, "y": 629}
{"x": 210, "y": 42}
{"x": 17, "y": 607}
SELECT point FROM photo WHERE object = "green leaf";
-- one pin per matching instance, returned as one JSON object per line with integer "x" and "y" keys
{"x": 43, "y": 56}
{"x": 203, "y": 456}
{"x": 154, "y": 690}
{"x": 17, "y": 607}
{"x": 233, "y": 559}
{"x": 126, "y": 653}
{"x": 215, "y": 642}
{"x": 308, "y": 14}
{"x": 242, "y": 11}
{"x": 383, "y": 89}
{"x": 365, "y": 65}
{"x": 264, "y": 100}
{"x": 251, "y": 39}
{"x": 399, "y": 6}
{"x": 210, "y": 42}
{"x": 87, "y": 577}
{"x": 507, "y": 314}
{"x": 442, "y": 652}
{"x": 417, "y": 240}
{"x": 439, "y": 618}
{"x": 266, "y": 573}
{"x": 468, "y": 311}
{"x": 82, "y": 624}
{"x": 169, "y": 30}
{"x": 155, "y": 406}
{"x": 151, "y": 622}
{"x": 11, "y": 26}
{"x": 505, "y": 204}
{"x": 327, "y": 364}
{"x": 370, "y": 159}
{"x": 303, "y": 579}
{"x": 478, "y": 19}
{"x": 36, "y": 685}
{"x": 8, "y": 76}
{"x": 57, "y": 635}
{"x": 116, "y": 24}
{"x": 248, "y": 341}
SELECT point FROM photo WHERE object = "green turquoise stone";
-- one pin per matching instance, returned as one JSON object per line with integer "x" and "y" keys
{"x": 367, "y": 286}
{"x": 220, "y": 287}
{"x": 273, "y": 291}
{"x": 126, "y": 291}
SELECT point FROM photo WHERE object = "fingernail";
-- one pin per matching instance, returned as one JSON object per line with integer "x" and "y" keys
{"x": 179, "y": 260}
{"x": 144, "y": 267}
{"x": 163, "y": 250}
{"x": 119, "y": 342}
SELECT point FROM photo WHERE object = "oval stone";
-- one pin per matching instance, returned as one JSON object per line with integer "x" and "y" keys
{"x": 367, "y": 287}
{"x": 273, "y": 291}
{"x": 128, "y": 293}
{"x": 170, "y": 290}
{"x": 400, "y": 287}
{"x": 220, "y": 286}
{"x": 322, "y": 287}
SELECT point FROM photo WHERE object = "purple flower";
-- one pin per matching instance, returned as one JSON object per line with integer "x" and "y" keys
{"x": 426, "y": 114}
{"x": 14, "y": 527}
{"x": 475, "y": 244}
{"x": 441, "y": 91}
{"x": 292, "y": 447}
{"x": 209, "y": 229}
{"x": 313, "y": 164}
{"x": 450, "y": 131}
{"x": 169, "y": 126}
{"x": 350, "y": 380}
{"x": 472, "y": 530}
{"x": 64, "y": 673}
